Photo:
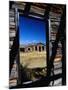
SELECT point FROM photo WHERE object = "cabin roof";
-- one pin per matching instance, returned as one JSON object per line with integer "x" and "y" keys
{"x": 32, "y": 44}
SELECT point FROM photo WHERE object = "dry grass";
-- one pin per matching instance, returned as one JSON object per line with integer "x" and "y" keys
{"x": 33, "y": 59}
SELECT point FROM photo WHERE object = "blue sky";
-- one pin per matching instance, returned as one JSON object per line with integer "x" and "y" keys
{"x": 31, "y": 31}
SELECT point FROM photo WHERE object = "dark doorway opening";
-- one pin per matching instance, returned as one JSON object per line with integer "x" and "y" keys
{"x": 35, "y": 48}
{"x": 28, "y": 49}
{"x": 22, "y": 49}
{"x": 42, "y": 48}
{"x": 39, "y": 49}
